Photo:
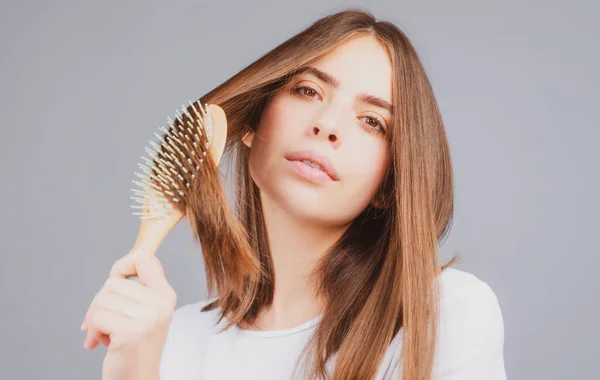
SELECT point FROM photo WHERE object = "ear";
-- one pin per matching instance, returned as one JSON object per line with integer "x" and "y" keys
{"x": 247, "y": 139}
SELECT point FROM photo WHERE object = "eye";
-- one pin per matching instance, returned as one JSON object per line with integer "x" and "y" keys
{"x": 305, "y": 91}
{"x": 375, "y": 123}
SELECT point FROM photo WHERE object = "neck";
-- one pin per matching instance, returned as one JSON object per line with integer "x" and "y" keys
{"x": 296, "y": 246}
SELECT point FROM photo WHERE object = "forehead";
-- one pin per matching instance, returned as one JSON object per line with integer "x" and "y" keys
{"x": 361, "y": 65}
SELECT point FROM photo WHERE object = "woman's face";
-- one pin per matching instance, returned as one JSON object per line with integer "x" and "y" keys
{"x": 340, "y": 125}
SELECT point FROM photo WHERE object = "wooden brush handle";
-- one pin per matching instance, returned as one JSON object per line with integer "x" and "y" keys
{"x": 152, "y": 232}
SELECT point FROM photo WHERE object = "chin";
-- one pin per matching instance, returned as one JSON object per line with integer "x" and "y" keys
{"x": 306, "y": 201}
{"x": 312, "y": 205}
{"x": 301, "y": 200}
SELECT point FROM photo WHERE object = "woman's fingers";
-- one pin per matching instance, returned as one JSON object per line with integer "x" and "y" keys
{"x": 113, "y": 312}
{"x": 130, "y": 289}
{"x": 125, "y": 310}
{"x": 93, "y": 338}
{"x": 119, "y": 296}
{"x": 123, "y": 305}
{"x": 145, "y": 265}
{"x": 150, "y": 272}
{"x": 116, "y": 326}
{"x": 104, "y": 339}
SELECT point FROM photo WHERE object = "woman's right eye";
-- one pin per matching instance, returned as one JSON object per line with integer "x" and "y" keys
{"x": 305, "y": 91}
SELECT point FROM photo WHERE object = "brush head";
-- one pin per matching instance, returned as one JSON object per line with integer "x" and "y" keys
{"x": 181, "y": 178}
{"x": 177, "y": 160}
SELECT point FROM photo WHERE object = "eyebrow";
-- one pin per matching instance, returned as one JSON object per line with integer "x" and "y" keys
{"x": 331, "y": 80}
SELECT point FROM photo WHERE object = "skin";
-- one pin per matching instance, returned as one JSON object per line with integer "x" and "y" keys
{"x": 131, "y": 318}
{"x": 303, "y": 218}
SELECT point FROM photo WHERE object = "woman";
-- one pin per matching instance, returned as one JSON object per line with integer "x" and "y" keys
{"x": 345, "y": 187}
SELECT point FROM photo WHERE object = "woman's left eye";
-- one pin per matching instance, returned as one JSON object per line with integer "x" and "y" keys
{"x": 375, "y": 123}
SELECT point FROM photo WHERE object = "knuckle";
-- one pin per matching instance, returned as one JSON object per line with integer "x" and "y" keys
{"x": 117, "y": 265}
{"x": 108, "y": 284}
{"x": 113, "y": 283}
{"x": 97, "y": 318}
{"x": 121, "y": 264}
{"x": 105, "y": 298}
{"x": 101, "y": 300}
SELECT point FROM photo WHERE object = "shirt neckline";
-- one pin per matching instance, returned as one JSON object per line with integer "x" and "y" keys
{"x": 280, "y": 332}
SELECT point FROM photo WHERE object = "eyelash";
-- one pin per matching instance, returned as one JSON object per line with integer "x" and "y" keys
{"x": 379, "y": 122}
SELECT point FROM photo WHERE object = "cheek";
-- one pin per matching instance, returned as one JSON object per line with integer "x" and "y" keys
{"x": 281, "y": 125}
{"x": 269, "y": 143}
{"x": 368, "y": 169}
{"x": 274, "y": 125}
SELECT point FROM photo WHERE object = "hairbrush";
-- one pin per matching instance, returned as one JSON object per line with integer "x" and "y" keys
{"x": 185, "y": 155}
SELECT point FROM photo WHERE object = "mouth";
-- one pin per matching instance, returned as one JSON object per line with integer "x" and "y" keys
{"x": 313, "y": 166}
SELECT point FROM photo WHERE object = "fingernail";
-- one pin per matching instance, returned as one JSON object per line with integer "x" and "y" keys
{"x": 86, "y": 341}
{"x": 83, "y": 326}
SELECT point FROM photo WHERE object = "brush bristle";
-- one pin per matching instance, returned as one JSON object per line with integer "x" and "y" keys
{"x": 174, "y": 162}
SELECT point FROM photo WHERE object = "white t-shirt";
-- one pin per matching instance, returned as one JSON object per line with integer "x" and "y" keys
{"x": 470, "y": 341}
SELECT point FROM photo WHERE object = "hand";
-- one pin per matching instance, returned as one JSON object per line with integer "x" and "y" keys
{"x": 131, "y": 318}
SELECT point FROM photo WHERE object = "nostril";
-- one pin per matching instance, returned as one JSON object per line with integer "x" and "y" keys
{"x": 332, "y": 138}
{"x": 316, "y": 130}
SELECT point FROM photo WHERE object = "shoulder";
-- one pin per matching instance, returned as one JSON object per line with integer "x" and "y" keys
{"x": 460, "y": 286}
{"x": 470, "y": 332}
{"x": 465, "y": 297}
{"x": 189, "y": 317}
{"x": 471, "y": 327}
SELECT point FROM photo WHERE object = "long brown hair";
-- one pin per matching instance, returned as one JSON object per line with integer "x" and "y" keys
{"x": 381, "y": 275}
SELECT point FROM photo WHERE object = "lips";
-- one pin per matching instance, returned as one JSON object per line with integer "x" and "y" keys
{"x": 314, "y": 160}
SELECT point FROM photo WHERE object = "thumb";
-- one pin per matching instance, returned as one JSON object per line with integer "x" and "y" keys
{"x": 142, "y": 264}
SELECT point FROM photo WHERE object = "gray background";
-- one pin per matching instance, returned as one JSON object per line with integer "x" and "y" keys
{"x": 83, "y": 86}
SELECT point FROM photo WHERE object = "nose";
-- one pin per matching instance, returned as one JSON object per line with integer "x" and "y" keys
{"x": 326, "y": 128}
